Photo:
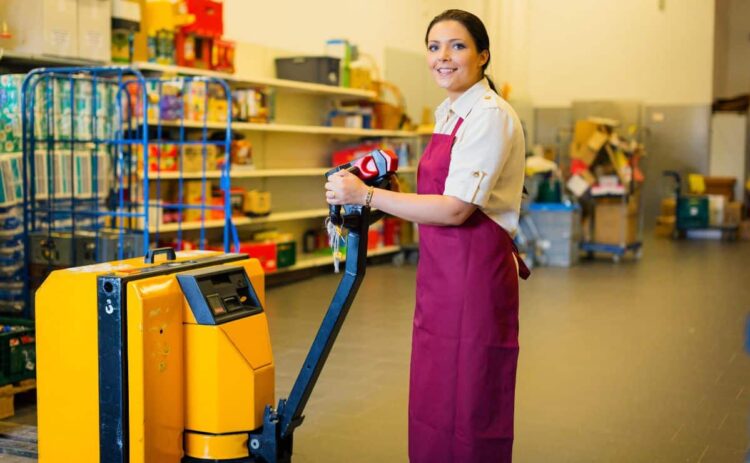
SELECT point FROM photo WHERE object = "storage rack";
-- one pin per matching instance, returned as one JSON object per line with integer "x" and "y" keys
{"x": 88, "y": 139}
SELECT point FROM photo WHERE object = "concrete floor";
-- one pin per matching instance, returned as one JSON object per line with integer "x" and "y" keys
{"x": 637, "y": 362}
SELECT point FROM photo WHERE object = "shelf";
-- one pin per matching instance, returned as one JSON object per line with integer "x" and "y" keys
{"x": 319, "y": 261}
{"x": 30, "y": 60}
{"x": 281, "y": 84}
{"x": 257, "y": 173}
{"x": 240, "y": 221}
{"x": 288, "y": 128}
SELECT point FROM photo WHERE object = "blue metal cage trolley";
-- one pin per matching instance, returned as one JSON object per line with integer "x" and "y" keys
{"x": 96, "y": 188}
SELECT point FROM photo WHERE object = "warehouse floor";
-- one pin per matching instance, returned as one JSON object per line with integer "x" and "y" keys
{"x": 636, "y": 362}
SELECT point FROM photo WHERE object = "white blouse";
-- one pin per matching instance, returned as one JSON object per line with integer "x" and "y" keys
{"x": 488, "y": 157}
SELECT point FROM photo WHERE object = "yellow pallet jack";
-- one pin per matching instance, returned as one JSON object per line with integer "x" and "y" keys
{"x": 146, "y": 361}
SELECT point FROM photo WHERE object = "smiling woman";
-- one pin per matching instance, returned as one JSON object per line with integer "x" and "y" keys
{"x": 465, "y": 336}
{"x": 454, "y": 58}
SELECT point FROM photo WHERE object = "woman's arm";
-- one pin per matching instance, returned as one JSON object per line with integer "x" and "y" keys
{"x": 345, "y": 188}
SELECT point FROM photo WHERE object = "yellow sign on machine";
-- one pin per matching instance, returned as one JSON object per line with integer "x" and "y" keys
{"x": 153, "y": 362}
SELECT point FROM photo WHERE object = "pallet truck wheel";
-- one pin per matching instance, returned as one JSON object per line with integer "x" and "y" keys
{"x": 399, "y": 259}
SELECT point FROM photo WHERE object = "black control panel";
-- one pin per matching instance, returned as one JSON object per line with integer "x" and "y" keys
{"x": 219, "y": 294}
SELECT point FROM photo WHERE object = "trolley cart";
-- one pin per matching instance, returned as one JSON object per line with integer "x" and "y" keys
{"x": 692, "y": 214}
{"x": 92, "y": 140}
{"x": 616, "y": 227}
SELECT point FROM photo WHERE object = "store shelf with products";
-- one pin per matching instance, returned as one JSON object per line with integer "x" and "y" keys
{"x": 256, "y": 173}
{"x": 290, "y": 128}
{"x": 240, "y": 221}
{"x": 279, "y": 84}
{"x": 15, "y": 61}
{"x": 311, "y": 261}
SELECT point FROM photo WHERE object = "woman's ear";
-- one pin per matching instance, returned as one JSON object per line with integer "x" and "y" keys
{"x": 484, "y": 57}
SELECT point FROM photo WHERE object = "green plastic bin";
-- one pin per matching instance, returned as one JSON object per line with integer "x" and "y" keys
{"x": 17, "y": 350}
{"x": 692, "y": 212}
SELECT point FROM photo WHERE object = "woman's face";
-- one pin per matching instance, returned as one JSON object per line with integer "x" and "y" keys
{"x": 453, "y": 58}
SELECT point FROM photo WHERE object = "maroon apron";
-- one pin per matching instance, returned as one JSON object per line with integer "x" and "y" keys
{"x": 465, "y": 339}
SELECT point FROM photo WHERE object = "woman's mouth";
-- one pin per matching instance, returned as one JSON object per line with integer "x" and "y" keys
{"x": 445, "y": 71}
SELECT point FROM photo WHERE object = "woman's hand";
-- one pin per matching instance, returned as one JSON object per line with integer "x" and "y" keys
{"x": 345, "y": 188}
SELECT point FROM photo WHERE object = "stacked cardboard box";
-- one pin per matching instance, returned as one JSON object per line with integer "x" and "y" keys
{"x": 602, "y": 161}
{"x": 616, "y": 221}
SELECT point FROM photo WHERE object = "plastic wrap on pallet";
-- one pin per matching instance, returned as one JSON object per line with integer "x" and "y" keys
{"x": 11, "y": 181}
{"x": 11, "y": 135}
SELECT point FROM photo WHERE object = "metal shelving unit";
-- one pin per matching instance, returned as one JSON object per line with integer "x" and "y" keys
{"x": 280, "y": 84}
{"x": 291, "y": 128}
{"x": 262, "y": 173}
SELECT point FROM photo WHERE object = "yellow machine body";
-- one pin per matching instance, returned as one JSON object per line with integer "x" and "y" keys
{"x": 191, "y": 388}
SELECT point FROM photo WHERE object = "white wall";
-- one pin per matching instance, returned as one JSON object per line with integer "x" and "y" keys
{"x": 609, "y": 49}
{"x": 732, "y": 48}
{"x": 304, "y": 26}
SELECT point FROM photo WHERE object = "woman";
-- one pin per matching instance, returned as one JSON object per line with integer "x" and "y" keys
{"x": 470, "y": 179}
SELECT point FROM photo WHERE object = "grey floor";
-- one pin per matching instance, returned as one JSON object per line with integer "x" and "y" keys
{"x": 636, "y": 362}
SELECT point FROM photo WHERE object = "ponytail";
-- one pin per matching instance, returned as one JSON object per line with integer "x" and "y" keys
{"x": 492, "y": 84}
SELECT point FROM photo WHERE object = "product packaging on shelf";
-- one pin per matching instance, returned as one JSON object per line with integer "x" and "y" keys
{"x": 257, "y": 203}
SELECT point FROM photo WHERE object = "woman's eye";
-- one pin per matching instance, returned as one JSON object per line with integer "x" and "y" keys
{"x": 432, "y": 47}
{"x": 459, "y": 46}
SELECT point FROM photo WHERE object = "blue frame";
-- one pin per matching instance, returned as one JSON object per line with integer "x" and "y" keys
{"x": 118, "y": 135}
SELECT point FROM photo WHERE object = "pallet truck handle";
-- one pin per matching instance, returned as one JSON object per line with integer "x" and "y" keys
{"x": 152, "y": 253}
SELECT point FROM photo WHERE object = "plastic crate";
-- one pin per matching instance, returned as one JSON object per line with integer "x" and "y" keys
{"x": 17, "y": 350}
{"x": 556, "y": 221}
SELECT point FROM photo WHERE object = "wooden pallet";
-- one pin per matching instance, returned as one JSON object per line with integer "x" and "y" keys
{"x": 18, "y": 443}
{"x": 7, "y": 394}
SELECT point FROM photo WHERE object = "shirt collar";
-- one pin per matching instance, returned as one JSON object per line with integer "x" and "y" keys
{"x": 463, "y": 104}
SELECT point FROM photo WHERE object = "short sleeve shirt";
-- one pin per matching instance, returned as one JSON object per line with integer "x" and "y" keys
{"x": 488, "y": 155}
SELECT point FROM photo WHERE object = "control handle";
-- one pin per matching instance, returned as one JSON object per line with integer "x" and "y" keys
{"x": 152, "y": 253}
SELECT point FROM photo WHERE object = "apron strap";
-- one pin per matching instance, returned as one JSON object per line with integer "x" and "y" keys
{"x": 456, "y": 127}
{"x": 523, "y": 270}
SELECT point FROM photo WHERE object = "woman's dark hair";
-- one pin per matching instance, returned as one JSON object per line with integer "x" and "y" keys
{"x": 476, "y": 29}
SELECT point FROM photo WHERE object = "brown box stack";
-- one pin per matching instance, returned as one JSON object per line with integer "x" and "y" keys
{"x": 615, "y": 222}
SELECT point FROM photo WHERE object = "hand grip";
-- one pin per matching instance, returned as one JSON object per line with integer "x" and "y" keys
{"x": 149, "y": 258}
{"x": 334, "y": 213}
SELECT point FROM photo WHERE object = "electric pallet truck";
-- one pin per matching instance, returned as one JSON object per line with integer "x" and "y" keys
{"x": 142, "y": 361}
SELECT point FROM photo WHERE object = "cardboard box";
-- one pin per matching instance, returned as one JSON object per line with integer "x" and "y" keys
{"x": 614, "y": 223}
{"x": 668, "y": 206}
{"x": 42, "y": 27}
{"x": 94, "y": 30}
{"x": 192, "y": 158}
{"x": 733, "y": 213}
{"x": 744, "y": 233}
{"x": 582, "y": 153}
{"x": 665, "y": 225}
{"x": 716, "y": 210}
{"x": 583, "y": 131}
{"x": 193, "y": 196}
